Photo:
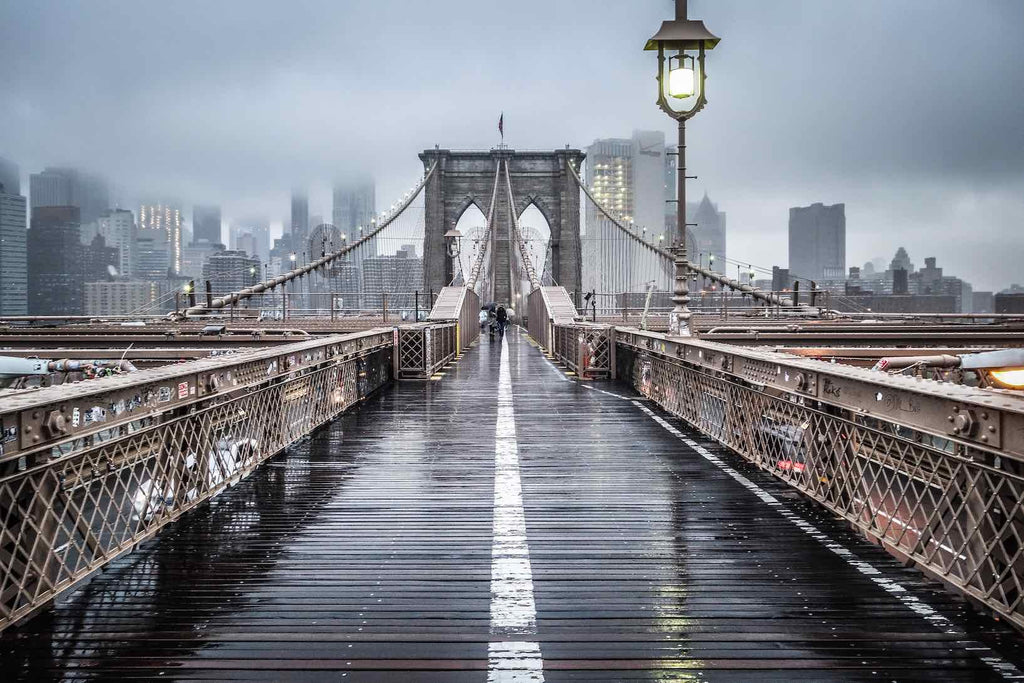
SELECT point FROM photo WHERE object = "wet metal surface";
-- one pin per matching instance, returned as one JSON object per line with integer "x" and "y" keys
{"x": 374, "y": 552}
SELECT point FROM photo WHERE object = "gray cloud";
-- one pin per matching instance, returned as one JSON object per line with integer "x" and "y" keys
{"x": 910, "y": 111}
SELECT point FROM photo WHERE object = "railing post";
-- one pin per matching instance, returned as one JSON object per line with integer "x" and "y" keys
{"x": 611, "y": 353}
{"x": 384, "y": 304}
{"x": 396, "y": 342}
{"x": 417, "y": 316}
{"x": 209, "y": 294}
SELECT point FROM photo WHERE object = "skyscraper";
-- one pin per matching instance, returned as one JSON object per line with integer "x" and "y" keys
{"x": 118, "y": 230}
{"x": 10, "y": 176}
{"x": 196, "y": 255}
{"x": 299, "y": 226}
{"x": 158, "y": 221}
{"x": 354, "y": 206}
{"x": 246, "y": 243}
{"x": 707, "y": 236}
{"x": 127, "y": 297}
{"x": 206, "y": 224}
{"x": 13, "y": 250}
{"x": 152, "y": 256}
{"x": 817, "y": 242}
{"x": 59, "y": 265}
{"x": 54, "y": 249}
{"x": 630, "y": 177}
{"x": 229, "y": 271}
{"x": 70, "y": 187}
{"x": 258, "y": 229}
{"x": 399, "y": 276}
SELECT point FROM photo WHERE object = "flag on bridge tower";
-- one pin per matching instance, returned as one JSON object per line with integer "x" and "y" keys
{"x": 501, "y": 127}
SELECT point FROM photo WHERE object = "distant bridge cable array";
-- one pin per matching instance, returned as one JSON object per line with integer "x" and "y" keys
{"x": 482, "y": 263}
{"x": 753, "y": 267}
{"x": 669, "y": 259}
{"x": 326, "y": 260}
{"x": 517, "y": 234}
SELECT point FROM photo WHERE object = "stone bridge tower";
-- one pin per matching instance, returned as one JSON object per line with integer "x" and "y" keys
{"x": 539, "y": 178}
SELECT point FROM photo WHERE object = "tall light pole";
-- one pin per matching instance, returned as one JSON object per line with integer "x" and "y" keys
{"x": 682, "y": 79}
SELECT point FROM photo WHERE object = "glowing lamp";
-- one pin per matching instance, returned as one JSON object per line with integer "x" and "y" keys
{"x": 1004, "y": 368}
{"x": 681, "y": 77}
{"x": 1009, "y": 378}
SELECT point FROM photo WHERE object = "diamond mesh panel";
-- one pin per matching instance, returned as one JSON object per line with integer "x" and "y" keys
{"x": 94, "y": 500}
{"x": 953, "y": 510}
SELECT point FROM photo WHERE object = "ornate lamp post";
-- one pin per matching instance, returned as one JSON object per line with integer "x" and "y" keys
{"x": 682, "y": 79}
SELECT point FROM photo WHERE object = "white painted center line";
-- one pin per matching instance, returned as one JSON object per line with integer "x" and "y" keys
{"x": 513, "y": 612}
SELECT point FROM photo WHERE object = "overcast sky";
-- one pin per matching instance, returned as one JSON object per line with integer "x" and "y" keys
{"x": 909, "y": 111}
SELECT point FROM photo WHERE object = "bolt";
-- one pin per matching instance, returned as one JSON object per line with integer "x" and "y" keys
{"x": 949, "y": 417}
{"x": 984, "y": 416}
{"x": 991, "y": 428}
{"x": 56, "y": 423}
{"x": 984, "y": 437}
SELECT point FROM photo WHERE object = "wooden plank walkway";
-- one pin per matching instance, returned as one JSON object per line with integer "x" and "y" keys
{"x": 506, "y": 523}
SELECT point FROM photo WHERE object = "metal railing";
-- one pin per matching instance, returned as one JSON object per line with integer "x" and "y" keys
{"x": 89, "y": 470}
{"x": 933, "y": 472}
{"x": 546, "y": 307}
{"x": 461, "y": 304}
{"x": 425, "y": 348}
{"x": 586, "y": 348}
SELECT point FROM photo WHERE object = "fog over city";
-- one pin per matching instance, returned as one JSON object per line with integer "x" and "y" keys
{"x": 911, "y": 112}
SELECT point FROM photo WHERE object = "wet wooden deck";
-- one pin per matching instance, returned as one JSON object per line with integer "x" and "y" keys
{"x": 606, "y": 548}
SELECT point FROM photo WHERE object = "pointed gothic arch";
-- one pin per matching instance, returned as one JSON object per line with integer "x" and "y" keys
{"x": 539, "y": 178}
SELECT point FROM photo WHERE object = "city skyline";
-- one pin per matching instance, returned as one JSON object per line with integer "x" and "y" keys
{"x": 797, "y": 127}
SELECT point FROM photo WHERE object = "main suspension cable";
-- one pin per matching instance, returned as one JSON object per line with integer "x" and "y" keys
{"x": 241, "y": 295}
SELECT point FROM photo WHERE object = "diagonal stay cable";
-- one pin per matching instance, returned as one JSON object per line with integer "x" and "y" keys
{"x": 523, "y": 255}
{"x": 271, "y": 283}
{"x": 723, "y": 280}
{"x": 474, "y": 272}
